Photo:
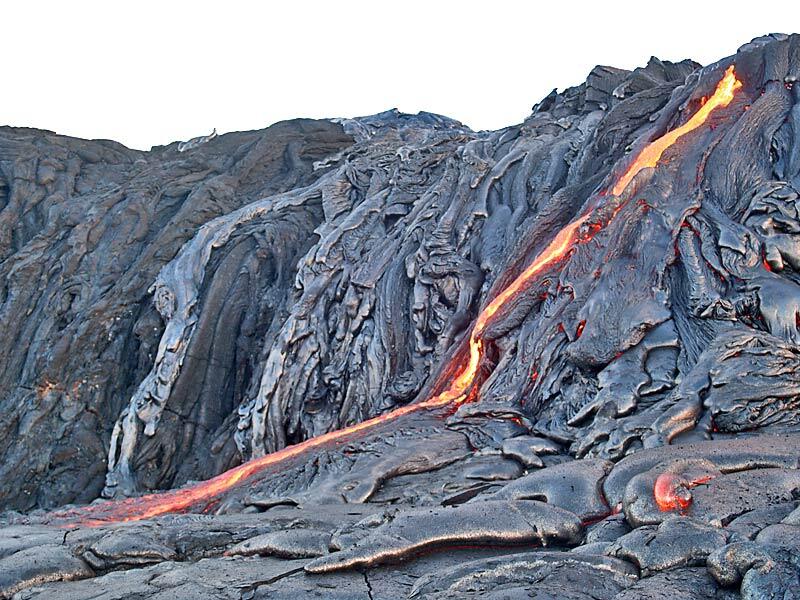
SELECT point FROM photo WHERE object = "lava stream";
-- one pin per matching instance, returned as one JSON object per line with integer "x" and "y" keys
{"x": 651, "y": 154}
{"x": 565, "y": 239}
{"x": 201, "y": 496}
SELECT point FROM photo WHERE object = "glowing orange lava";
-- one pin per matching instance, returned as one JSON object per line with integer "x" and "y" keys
{"x": 556, "y": 250}
{"x": 160, "y": 503}
{"x": 651, "y": 153}
{"x": 671, "y": 491}
{"x": 201, "y": 496}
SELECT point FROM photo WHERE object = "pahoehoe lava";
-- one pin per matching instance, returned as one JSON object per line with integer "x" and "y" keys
{"x": 392, "y": 357}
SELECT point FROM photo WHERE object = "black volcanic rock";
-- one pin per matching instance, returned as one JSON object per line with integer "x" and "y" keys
{"x": 169, "y": 315}
{"x": 85, "y": 228}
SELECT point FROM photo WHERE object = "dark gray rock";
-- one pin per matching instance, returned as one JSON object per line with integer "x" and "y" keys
{"x": 21, "y": 537}
{"x": 761, "y": 571}
{"x": 526, "y": 450}
{"x": 479, "y": 523}
{"x": 492, "y": 468}
{"x": 38, "y": 565}
{"x": 780, "y": 534}
{"x": 747, "y": 526}
{"x": 793, "y": 518}
{"x": 94, "y": 223}
{"x": 686, "y": 584}
{"x": 575, "y": 486}
{"x": 290, "y": 543}
{"x": 339, "y": 586}
{"x": 206, "y": 579}
{"x": 728, "y": 496}
{"x": 727, "y": 455}
{"x": 608, "y": 530}
{"x": 534, "y": 574}
{"x": 128, "y": 548}
{"x": 677, "y": 542}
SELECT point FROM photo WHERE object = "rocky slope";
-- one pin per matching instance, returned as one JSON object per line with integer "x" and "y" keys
{"x": 631, "y": 429}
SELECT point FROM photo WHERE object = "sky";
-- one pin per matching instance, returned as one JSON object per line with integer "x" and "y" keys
{"x": 148, "y": 72}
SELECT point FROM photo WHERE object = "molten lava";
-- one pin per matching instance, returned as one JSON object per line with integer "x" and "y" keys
{"x": 202, "y": 496}
{"x": 671, "y": 491}
{"x": 651, "y": 153}
{"x": 566, "y": 238}
{"x": 556, "y": 250}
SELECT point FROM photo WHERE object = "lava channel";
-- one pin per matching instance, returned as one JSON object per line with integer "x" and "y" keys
{"x": 204, "y": 495}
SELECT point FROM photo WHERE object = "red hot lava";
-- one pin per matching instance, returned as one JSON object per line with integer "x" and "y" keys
{"x": 202, "y": 496}
{"x": 671, "y": 491}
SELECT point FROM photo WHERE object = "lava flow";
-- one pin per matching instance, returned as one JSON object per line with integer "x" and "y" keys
{"x": 651, "y": 154}
{"x": 203, "y": 495}
{"x": 566, "y": 238}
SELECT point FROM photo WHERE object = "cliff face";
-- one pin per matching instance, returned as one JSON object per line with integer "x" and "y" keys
{"x": 171, "y": 314}
{"x": 85, "y": 229}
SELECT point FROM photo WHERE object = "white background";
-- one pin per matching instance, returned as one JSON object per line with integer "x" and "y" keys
{"x": 150, "y": 72}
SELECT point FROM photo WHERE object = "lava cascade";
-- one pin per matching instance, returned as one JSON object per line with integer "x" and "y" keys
{"x": 651, "y": 154}
{"x": 202, "y": 496}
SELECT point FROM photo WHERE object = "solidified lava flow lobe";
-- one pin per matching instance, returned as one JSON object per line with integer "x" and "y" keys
{"x": 201, "y": 496}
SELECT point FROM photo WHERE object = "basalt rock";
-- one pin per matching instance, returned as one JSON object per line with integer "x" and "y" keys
{"x": 491, "y": 522}
{"x": 687, "y": 584}
{"x": 289, "y": 543}
{"x": 37, "y": 565}
{"x": 390, "y": 356}
{"x": 543, "y": 574}
{"x": 762, "y": 570}
{"x": 574, "y": 486}
{"x": 677, "y": 542}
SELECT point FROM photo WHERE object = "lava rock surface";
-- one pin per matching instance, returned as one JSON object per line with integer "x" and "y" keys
{"x": 634, "y": 431}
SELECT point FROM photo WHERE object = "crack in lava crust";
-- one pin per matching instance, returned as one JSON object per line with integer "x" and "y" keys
{"x": 201, "y": 496}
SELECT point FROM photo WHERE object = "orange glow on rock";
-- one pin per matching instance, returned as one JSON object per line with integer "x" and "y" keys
{"x": 202, "y": 496}
{"x": 555, "y": 251}
{"x": 671, "y": 491}
{"x": 651, "y": 153}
